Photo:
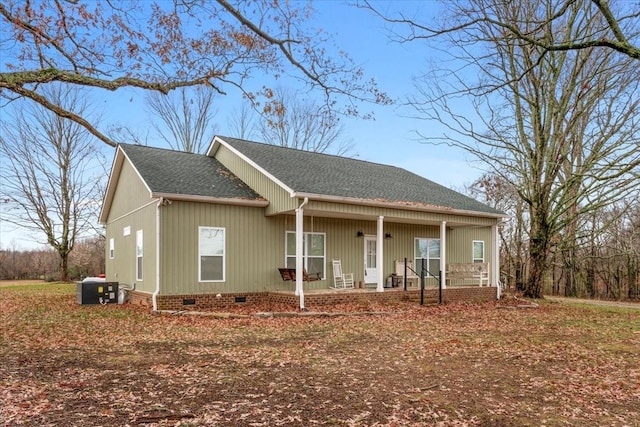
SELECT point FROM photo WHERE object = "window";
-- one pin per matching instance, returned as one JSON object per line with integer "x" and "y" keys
{"x": 429, "y": 251}
{"x": 139, "y": 255}
{"x": 211, "y": 251}
{"x": 478, "y": 251}
{"x": 112, "y": 245}
{"x": 313, "y": 252}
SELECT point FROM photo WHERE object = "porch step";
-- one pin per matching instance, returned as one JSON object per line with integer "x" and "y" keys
{"x": 416, "y": 299}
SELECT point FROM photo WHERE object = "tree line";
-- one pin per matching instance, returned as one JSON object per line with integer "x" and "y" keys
{"x": 85, "y": 260}
{"x": 599, "y": 259}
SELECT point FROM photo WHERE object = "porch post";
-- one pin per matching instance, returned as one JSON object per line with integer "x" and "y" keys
{"x": 379, "y": 254}
{"x": 299, "y": 243}
{"x": 443, "y": 253}
{"x": 495, "y": 260}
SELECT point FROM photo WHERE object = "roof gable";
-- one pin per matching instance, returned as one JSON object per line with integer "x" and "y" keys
{"x": 176, "y": 172}
{"x": 308, "y": 173}
{"x": 179, "y": 175}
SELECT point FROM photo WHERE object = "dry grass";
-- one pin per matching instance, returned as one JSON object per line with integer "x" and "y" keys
{"x": 454, "y": 365}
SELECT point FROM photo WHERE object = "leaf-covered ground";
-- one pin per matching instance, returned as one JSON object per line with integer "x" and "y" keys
{"x": 62, "y": 364}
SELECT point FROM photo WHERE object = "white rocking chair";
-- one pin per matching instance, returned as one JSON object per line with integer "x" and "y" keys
{"x": 341, "y": 280}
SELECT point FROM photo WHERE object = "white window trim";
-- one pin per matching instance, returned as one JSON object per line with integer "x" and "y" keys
{"x": 416, "y": 264}
{"x": 112, "y": 248}
{"x": 473, "y": 258}
{"x": 139, "y": 244}
{"x": 224, "y": 255}
{"x": 304, "y": 250}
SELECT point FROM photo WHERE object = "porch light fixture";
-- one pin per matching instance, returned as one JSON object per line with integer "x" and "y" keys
{"x": 360, "y": 233}
{"x": 388, "y": 236}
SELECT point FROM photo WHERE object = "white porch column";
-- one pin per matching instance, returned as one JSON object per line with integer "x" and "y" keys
{"x": 443, "y": 253}
{"x": 299, "y": 252}
{"x": 379, "y": 254}
{"x": 495, "y": 259}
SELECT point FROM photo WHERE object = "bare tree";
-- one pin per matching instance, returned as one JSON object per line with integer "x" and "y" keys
{"x": 296, "y": 122}
{"x": 168, "y": 45}
{"x": 618, "y": 33}
{"x": 184, "y": 118}
{"x": 616, "y": 251}
{"x": 88, "y": 257}
{"x": 242, "y": 122}
{"x": 52, "y": 172}
{"x": 291, "y": 121}
{"x": 561, "y": 126}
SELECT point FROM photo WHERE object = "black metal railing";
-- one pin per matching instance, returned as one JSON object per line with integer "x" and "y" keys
{"x": 423, "y": 270}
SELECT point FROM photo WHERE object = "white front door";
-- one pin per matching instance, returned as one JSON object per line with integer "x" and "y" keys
{"x": 370, "y": 260}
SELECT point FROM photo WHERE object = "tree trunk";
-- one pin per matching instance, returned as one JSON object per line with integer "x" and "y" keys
{"x": 64, "y": 267}
{"x": 569, "y": 265}
{"x": 538, "y": 250}
{"x": 591, "y": 279}
{"x": 539, "y": 257}
{"x": 634, "y": 292}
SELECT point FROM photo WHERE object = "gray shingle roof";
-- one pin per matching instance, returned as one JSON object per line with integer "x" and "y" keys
{"x": 324, "y": 174}
{"x": 177, "y": 172}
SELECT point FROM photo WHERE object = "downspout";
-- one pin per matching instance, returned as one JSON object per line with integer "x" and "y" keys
{"x": 299, "y": 243}
{"x": 154, "y": 297}
{"x": 495, "y": 261}
{"x": 380, "y": 254}
{"x": 443, "y": 254}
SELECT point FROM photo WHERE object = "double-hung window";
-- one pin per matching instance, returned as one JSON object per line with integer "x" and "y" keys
{"x": 427, "y": 253}
{"x": 211, "y": 253}
{"x": 139, "y": 242}
{"x": 313, "y": 252}
{"x": 478, "y": 251}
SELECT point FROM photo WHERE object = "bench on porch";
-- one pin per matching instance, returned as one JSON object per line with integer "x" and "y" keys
{"x": 289, "y": 275}
{"x": 476, "y": 273}
{"x": 412, "y": 279}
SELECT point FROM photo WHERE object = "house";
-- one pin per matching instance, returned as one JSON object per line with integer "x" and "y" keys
{"x": 194, "y": 230}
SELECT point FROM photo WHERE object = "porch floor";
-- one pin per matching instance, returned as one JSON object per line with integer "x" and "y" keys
{"x": 368, "y": 290}
{"x": 431, "y": 295}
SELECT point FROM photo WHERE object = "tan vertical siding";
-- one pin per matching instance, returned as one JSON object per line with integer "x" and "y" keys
{"x": 279, "y": 199}
{"x": 131, "y": 207}
{"x": 254, "y": 247}
{"x": 343, "y": 243}
{"x": 131, "y": 193}
{"x": 460, "y": 243}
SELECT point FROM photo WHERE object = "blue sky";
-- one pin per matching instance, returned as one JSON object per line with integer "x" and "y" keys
{"x": 390, "y": 138}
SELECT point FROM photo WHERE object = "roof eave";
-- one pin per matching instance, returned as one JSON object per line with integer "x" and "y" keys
{"x": 398, "y": 205}
{"x": 213, "y": 147}
{"x": 210, "y": 199}
{"x": 116, "y": 167}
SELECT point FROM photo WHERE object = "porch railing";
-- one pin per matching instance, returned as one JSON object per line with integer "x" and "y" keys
{"x": 423, "y": 271}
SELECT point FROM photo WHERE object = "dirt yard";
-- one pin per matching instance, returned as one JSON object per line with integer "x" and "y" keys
{"x": 62, "y": 364}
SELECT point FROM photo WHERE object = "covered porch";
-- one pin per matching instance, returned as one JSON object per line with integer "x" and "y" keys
{"x": 373, "y": 239}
